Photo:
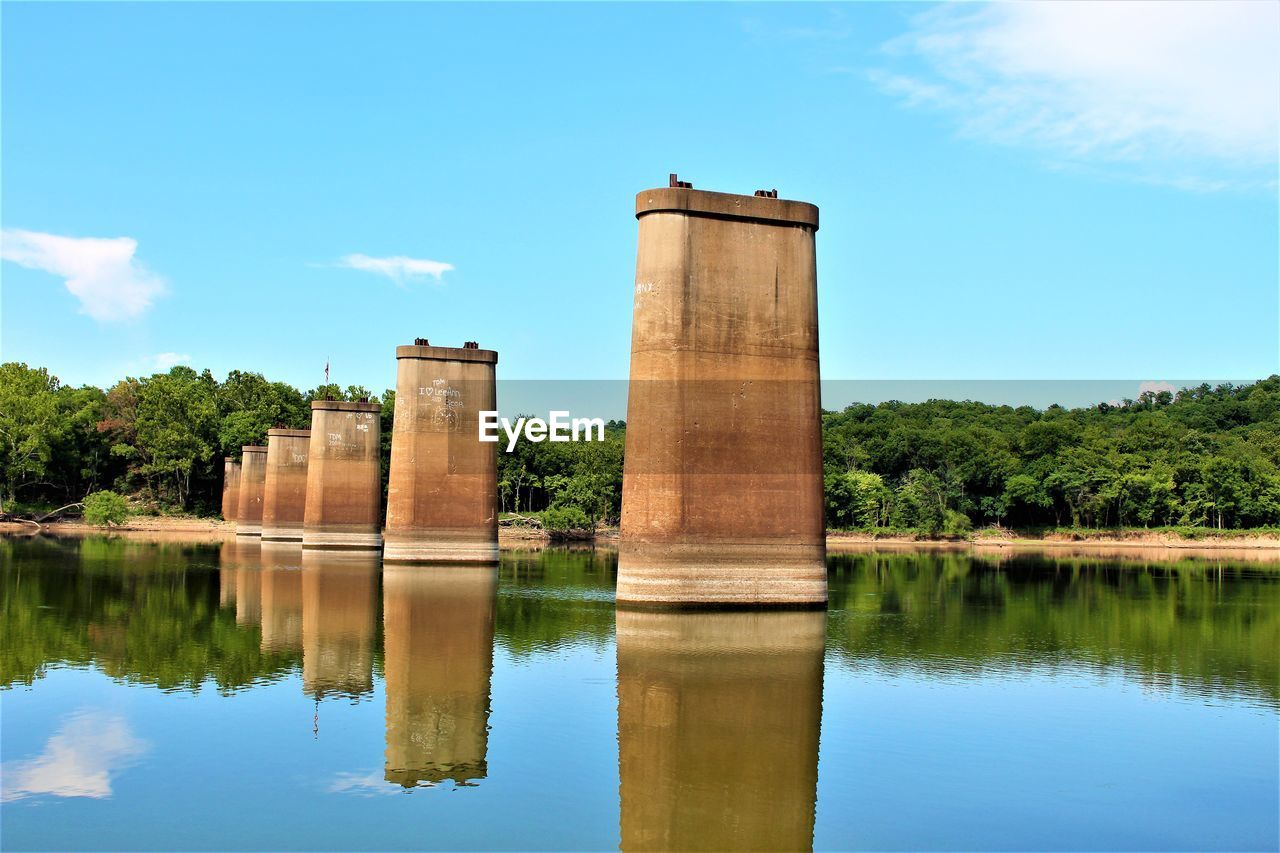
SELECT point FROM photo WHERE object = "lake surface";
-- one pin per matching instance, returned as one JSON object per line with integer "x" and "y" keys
{"x": 166, "y": 696}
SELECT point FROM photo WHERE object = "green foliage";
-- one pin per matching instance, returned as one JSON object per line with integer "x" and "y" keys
{"x": 105, "y": 508}
{"x": 162, "y": 437}
{"x": 585, "y": 475}
{"x": 562, "y": 518}
{"x": 1206, "y": 457}
{"x": 48, "y": 440}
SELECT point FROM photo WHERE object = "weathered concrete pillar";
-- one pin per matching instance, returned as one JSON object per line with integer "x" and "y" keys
{"x": 442, "y": 493}
{"x": 230, "y": 489}
{"x": 718, "y": 723}
{"x": 284, "y": 495}
{"x": 253, "y": 476}
{"x": 722, "y": 488}
{"x": 339, "y": 622}
{"x": 438, "y": 665}
{"x": 281, "y": 597}
{"x": 344, "y": 485}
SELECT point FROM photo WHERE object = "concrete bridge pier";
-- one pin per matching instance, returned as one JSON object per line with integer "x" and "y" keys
{"x": 284, "y": 498}
{"x": 253, "y": 477}
{"x": 722, "y": 501}
{"x": 344, "y": 484}
{"x": 442, "y": 493}
{"x": 230, "y": 489}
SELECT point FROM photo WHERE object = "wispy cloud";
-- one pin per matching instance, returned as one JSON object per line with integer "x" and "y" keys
{"x": 164, "y": 361}
{"x": 1176, "y": 93}
{"x": 78, "y": 761}
{"x": 398, "y": 268}
{"x": 102, "y": 273}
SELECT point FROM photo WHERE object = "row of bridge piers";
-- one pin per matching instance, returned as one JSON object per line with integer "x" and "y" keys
{"x": 722, "y": 496}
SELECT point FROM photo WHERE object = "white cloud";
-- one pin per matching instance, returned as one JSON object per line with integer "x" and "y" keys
{"x": 397, "y": 268}
{"x": 1167, "y": 89}
{"x": 164, "y": 361}
{"x": 102, "y": 273}
{"x": 78, "y": 761}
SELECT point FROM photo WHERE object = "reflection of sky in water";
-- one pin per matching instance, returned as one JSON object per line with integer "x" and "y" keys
{"x": 78, "y": 761}
{"x": 941, "y": 702}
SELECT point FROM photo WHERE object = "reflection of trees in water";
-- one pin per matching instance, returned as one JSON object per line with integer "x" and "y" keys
{"x": 166, "y": 614}
{"x": 555, "y": 597}
{"x": 141, "y": 612}
{"x": 1205, "y": 626}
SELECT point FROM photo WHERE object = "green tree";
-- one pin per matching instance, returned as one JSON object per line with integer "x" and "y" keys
{"x": 103, "y": 509}
{"x": 177, "y": 420}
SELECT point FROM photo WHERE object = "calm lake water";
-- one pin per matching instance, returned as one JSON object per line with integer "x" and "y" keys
{"x": 167, "y": 696}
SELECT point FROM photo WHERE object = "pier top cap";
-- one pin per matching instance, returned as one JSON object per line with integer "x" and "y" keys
{"x": 483, "y": 356}
{"x": 230, "y": 461}
{"x": 253, "y": 448}
{"x": 726, "y": 206}
{"x": 289, "y": 433}
{"x": 344, "y": 406}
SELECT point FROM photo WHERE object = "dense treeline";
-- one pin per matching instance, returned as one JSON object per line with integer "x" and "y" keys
{"x": 1203, "y": 457}
{"x": 161, "y": 437}
{"x": 1207, "y": 456}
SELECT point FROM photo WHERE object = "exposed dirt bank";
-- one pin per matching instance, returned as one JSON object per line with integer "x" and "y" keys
{"x": 1235, "y": 540}
{"x": 1136, "y": 543}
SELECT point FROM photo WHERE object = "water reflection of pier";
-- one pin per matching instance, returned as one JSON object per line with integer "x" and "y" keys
{"x": 339, "y": 622}
{"x": 240, "y": 580}
{"x": 281, "y": 597}
{"x": 438, "y": 630}
{"x": 718, "y": 720}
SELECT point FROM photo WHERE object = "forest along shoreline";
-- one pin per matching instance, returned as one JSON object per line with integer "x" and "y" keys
{"x": 167, "y": 528}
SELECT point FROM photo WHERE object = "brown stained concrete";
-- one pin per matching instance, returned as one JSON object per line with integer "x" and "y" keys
{"x": 344, "y": 487}
{"x": 280, "y": 576}
{"x": 718, "y": 722}
{"x": 253, "y": 476}
{"x": 722, "y": 499}
{"x": 230, "y": 489}
{"x": 284, "y": 494}
{"x": 438, "y": 666}
{"x": 339, "y": 622}
{"x": 442, "y": 494}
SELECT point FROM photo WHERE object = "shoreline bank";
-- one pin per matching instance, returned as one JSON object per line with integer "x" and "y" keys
{"x": 1100, "y": 542}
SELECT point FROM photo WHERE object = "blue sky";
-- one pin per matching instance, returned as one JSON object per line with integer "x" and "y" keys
{"x": 1011, "y": 192}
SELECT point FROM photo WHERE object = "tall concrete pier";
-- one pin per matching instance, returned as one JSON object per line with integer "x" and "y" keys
{"x": 344, "y": 485}
{"x": 722, "y": 487}
{"x": 284, "y": 497}
{"x": 718, "y": 722}
{"x": 442, "y": 494}
{"x": 230, "y": 489}
{"x": 253, "y": 478}
{"x": 438, "y": 666}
